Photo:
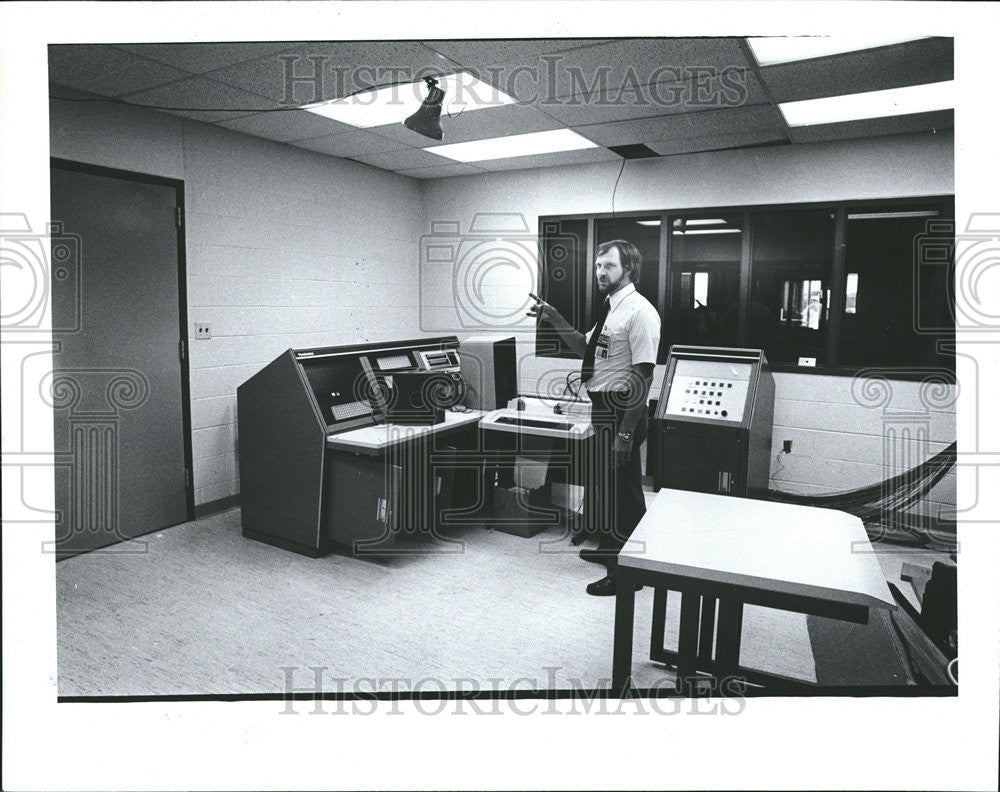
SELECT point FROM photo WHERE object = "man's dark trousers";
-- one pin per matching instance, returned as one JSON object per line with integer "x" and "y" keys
{"x": 624, "y": 505}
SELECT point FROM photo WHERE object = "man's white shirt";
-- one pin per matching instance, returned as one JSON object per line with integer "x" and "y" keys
{"x": 631, "y": 335}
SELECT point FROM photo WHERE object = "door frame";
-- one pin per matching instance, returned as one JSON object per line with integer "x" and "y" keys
{"x": 183, "y": 345}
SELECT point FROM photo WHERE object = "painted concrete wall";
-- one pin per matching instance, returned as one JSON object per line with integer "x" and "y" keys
{"x": 285, "y": 248}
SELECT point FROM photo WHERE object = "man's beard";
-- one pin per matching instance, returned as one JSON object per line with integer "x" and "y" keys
{"x": 609, "y": 286}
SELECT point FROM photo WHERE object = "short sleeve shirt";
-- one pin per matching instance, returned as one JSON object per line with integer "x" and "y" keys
{"x": 631, "y": 335}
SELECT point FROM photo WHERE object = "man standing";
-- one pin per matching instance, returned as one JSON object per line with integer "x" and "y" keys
{"x": 618, "y": 358}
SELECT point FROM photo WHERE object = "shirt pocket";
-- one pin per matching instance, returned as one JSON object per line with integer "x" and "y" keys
{"x": 618, "y": 345}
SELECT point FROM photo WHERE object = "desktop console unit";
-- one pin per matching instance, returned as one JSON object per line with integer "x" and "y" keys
{"x": 320, "y": 467}
{"x": 712, "y": 427}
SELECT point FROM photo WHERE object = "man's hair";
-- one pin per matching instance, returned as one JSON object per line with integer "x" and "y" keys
{"x": 628, "y": 254}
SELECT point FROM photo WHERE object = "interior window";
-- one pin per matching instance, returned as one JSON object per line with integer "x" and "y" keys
{"x": 898, "y": 264}
{"x": 562, "y": 281}
{"x": 791, "y": 284}
{"x": 705, "y": 255}
{"x": 644, "y": 233}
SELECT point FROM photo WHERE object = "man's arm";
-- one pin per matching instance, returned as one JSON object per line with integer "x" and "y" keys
{"x": 640, "y": 378}
{"x": 574, "y": 339}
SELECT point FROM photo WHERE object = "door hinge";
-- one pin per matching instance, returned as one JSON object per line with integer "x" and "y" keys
{"x": 182, "y": 348}
{"x": 180, "y": 219}
{"x": 187, "y": 477}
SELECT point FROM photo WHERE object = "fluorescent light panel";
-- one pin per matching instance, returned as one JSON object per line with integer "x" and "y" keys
{"x": 892, "y": 215}
{"x": 874, "y": 104}
{"x": 390, "y": 105}
{"x": 692, "y": 231}
{"x": 702, "y": 221}
{"x": 785, "y": 49}
{"x": 513, "y": 146}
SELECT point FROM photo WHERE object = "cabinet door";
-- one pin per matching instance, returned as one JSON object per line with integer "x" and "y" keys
{"x": 694, "y": 462}
{"x": 361, "y": 512}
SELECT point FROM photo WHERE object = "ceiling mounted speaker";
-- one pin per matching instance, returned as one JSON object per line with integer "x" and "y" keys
{"x": 427, "y": 120}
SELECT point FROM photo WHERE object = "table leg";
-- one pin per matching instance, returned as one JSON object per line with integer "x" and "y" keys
{"x": 621, "y": 669}
{"x": 656, "y": 647}
{"x": 706, "y": 633}
{"x": 727, "y": 649}
{"x": 687, "y": 640}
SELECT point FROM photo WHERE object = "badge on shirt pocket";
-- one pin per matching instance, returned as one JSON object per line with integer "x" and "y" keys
{"x": 602, "y": 346}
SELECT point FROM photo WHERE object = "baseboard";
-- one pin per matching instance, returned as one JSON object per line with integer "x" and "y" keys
{"x": 212, "y": 507}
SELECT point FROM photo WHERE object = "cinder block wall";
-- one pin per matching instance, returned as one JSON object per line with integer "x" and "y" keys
{"x": 285, "y": 248}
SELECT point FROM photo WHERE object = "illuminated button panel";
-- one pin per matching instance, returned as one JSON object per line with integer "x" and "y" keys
{"x": 712, "y": 397}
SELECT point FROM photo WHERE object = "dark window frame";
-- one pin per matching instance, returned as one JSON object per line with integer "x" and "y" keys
{"x": 840, "y": 209}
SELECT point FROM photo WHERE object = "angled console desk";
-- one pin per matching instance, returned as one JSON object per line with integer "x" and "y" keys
{"x": 722, "y": 553}
{"x": 320, "y": 466}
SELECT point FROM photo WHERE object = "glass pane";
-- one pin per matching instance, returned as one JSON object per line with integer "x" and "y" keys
{"x": 899, "y": 266}
{"x": 792, "y": 266}
{"x": 563, "y": 273}
{"x": 644, "y": 233}
{"x": 705, "y": 254}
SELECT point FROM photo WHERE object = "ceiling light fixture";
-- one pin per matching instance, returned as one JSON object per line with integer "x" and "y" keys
{"x": 385, "y": 105}
{"x": 785, "y": 49}
{"x": 874, "y": 104}
{"x": 427, "y": 119}
{"x": 550, "y": 142}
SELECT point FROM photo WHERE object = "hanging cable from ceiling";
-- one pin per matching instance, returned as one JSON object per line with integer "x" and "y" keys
{"x": 615, "y": 190}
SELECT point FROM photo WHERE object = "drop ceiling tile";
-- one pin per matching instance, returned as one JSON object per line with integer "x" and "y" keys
{"x": 874, "y": 127}
{"x": 909, "y": 63}
{"x": 287, "y": 125}
{"x": 440, "y": 171}
{"x": 200, "y": 57}
{"x": 106, "y": 70}
{"x": 686, "y": 125}
{"x": 615, "y": 65}
{"x": 477, "y": 125}
{"x": 730, "y": 89}
{"x": 581, "y": 156}
{"x": 224, "y": 102}
{"x": 358, "y": 142}
{"x": 407, "y": 159}
{"x": 719, "y": 142}
{"x": 476, "y": 53}
{"x": 323, "y": 70}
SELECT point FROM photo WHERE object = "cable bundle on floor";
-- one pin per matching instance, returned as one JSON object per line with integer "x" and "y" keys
{"x": 883, "y": 506}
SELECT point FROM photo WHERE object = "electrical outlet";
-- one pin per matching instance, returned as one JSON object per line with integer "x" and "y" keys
{"x": 786, "y": 447}
{"x": 202, "y": 330}
{"x": 807, "y": 361}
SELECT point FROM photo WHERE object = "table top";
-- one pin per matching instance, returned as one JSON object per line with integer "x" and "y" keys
{"x": 778, "y": 547}
{"x": 376, "y": 438}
